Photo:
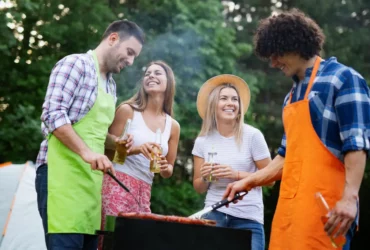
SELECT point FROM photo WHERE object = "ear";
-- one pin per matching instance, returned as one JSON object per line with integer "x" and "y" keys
{"x": 113, "y": 38}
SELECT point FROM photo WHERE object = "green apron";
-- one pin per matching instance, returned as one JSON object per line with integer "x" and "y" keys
{"x": 74, "y": 189}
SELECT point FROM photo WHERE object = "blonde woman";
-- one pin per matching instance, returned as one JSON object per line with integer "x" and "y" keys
{"x": 241, "y": 150}
{"x": 149, "y": 109}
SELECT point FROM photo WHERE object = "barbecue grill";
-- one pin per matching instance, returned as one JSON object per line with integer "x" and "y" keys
{"x": 121, "y": 233}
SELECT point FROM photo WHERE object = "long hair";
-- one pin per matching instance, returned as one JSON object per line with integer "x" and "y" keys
{"x": 140, "y": 100}
{"x": 209, "y": 124}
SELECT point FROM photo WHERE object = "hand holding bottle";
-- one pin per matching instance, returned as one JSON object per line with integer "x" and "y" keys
{"x": 145, "y": 149}
{"x": 164, "y": 166}
{"x": 156, "y": 152}
{"x": 212, "y": 161}
{"x": 224, "y": 171}
{"x": 337, "y": 240}
{"x": 205, "y": 170}
{"x": 123, "y": 145}
{"x": 127, "y": 142}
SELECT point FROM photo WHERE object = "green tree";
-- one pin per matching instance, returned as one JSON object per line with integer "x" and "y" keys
{"x": 35, "y": 35}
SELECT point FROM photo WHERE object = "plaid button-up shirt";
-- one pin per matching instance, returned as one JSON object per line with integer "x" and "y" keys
{"x": 339, "y": 106}
{"x": 71, "y": 93}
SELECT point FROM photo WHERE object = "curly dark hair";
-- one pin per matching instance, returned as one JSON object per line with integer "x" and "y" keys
{"x": 288, "y": 32}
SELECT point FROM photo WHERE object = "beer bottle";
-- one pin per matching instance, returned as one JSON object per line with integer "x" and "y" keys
{"x": 155, "y": 167}
{"x": 339, "y": 241}
{"x": 121, "y": 149}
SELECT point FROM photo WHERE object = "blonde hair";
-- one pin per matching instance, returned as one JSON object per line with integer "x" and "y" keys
{"x": 140, "y": 100}
{"x": 209, "y": 123}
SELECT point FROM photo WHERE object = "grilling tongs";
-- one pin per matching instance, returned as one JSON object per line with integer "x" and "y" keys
{"x": 216, "y": 206}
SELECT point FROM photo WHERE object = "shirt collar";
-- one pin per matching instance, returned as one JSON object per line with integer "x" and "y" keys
{"x": 323, "y": 64}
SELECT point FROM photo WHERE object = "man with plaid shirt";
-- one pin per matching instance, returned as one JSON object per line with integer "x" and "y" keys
{"x": 78, "y": 109}
{"x": 326, "y": 118}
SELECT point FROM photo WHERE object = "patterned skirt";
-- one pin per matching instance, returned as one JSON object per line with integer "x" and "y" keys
{"x": 115, "y": 199}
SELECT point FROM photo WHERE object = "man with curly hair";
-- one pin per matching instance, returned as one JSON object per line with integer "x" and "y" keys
{"x": 326, "y": 118}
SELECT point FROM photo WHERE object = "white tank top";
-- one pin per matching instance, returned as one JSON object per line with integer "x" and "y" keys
{"x": 137, "y": 166}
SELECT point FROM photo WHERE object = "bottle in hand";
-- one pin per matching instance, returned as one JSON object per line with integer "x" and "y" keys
{"x": 155, "y": 167}
{"x": 339, "y": 241}
{"x": 121, "y": 149}
{"x": 212, "y": 156}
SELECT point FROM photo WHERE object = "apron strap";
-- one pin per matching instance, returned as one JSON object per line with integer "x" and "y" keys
{"x": 313, "y": 76}
{"x": 96, "y": 62}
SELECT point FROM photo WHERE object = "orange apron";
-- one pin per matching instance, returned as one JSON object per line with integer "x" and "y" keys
{"x": 309, "y": 168}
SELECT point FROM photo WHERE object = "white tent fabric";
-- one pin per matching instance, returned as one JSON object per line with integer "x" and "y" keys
{"x": 20, "y": 221}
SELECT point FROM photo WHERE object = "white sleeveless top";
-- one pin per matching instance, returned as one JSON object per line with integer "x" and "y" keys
{"x": 137, "y": 166}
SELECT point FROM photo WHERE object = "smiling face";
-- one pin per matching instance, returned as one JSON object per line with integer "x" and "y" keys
{"x": 121, "y": 53}
{"x": 290, "y": 64}
{"x": 228, "y": 105}
{"x": 155, "y": 79}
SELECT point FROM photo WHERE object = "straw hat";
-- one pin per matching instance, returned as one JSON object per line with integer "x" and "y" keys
{"x": 212, "y": 83}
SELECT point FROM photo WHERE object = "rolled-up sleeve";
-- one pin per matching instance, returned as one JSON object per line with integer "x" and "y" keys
{"x": 282, "y": 148}
{"x": 63, "y": 85}
{"x": 352, "y": 106}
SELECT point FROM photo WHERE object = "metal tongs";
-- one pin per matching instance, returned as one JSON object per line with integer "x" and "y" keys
{"x": 216, "y": 206}
{"x": 119, "y": 183}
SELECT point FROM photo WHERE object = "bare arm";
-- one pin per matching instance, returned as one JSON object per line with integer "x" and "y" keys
{"x": 345, "y": 210}
{"x": 225, "y": 171}
{"x": 260, "y": 147}
{"x": 69, "y": 138}
{"x": 115, "y": 130}
{"x": 354, "y": 163}
{"x": 169, "y": 162}
{"x": 272, "y": 172}
{"x": 110, "y": 142}
{"x": 262, "y": 164}
{"x": 199, "y": 185}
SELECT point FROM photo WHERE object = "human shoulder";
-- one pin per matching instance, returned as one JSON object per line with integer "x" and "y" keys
{"x": 252, "y": 134}
{"x": 342, "y": 75}
{"x": 80, "y": 58}
{"x": 125, "y": 110}
{"x": 200, "y": 140}
{"x": 75, "y": 62}
{"x": 353, "y": 78}
{"x": 175, "y": 127}
{"x": 249, "y": 129}
{"x": 175, "y": 124}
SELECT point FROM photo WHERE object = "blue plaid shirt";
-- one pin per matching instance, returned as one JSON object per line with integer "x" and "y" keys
{"x": 339, "y": 106}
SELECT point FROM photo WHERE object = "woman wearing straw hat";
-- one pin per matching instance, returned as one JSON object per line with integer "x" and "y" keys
{"x": 237, "y": 149}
